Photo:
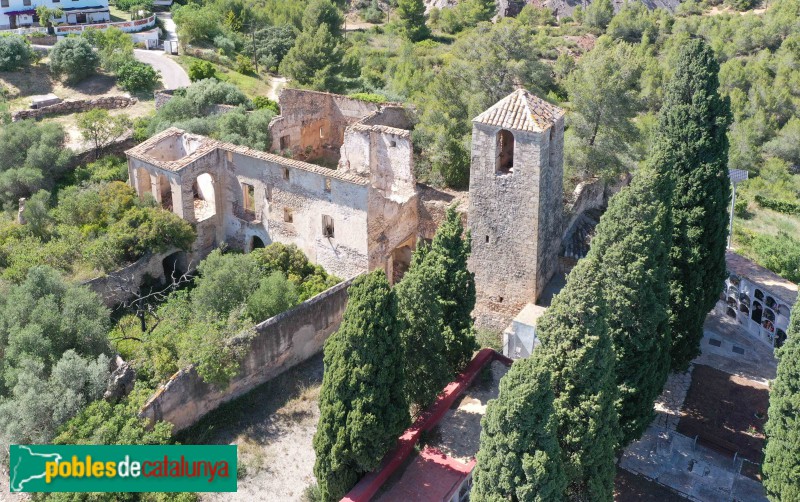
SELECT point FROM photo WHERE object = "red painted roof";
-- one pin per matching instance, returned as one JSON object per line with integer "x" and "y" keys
{"x": 395, "y": 460}
{"x": 431, "y": 476}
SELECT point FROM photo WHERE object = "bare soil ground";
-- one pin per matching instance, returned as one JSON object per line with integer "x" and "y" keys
{"x": 273, "y": 426}
{"x": 720, "y": 406}
{"x": 630, "y": 487}
{"x": 37, "y": 80}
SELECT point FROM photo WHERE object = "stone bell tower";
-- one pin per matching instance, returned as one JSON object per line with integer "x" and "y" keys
{"x": 515, "y": 201}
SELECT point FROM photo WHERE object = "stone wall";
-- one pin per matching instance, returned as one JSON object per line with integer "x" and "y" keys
{"x": 122, "y": 285}
{"x": 280, "y": 343}
{"x": 76, "y": 106}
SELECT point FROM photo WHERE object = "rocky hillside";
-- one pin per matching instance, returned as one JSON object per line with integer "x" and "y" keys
{"x": 559, "y": 7}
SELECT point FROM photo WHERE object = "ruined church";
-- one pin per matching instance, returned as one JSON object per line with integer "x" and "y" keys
{"x": 339, "y": 183}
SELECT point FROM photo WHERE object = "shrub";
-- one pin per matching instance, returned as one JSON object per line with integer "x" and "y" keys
{"x": 135, "y": 76}
{"x": 244, "y": 65}
{"x": 74, "y": 59}
{"x": 780, "y": 206}
{"x": 15, "y": 53}
{"x": 201, "y": 70}
{"x": 109, "y": 168}
{"x": 264, "y": 103}
{"x": 274, "y": 295}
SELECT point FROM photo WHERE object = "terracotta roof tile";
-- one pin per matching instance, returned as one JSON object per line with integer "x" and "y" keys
{"x": 522, "y": 111}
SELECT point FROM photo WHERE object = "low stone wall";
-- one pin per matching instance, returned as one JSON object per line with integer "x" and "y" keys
{"x": 76, "y": 106}
{"x": 122, "y": 285}
{"x": 280, "y": 343}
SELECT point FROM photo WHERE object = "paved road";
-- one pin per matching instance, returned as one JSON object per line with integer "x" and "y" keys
{"x": 172, "y": 75}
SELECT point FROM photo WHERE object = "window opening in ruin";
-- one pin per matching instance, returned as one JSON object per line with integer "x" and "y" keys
{"x": 269, "y": 193}
{"x": 505, "y": 152}
{"x": 230, "y": 156}
{"x": 392, "y": 144}
{"x": 284, "y": 142}
{"x": 328, "y": 185}
{"x": 249, "y": 195}
{"x": 487, "y": 239}
{"x": 256, "y": 243}
{"x": 165, "y": 191}
{"x": 327, "y": 226}
{"x": 321, "y": 134}
{"x": 204, "y": 197}
{"x": 288, "y": 216}
{"x": 499, "y": 299}
{"x": 286, "y": 173}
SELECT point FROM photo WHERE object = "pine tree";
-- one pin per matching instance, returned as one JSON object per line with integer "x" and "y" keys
{"x": 632, "y": 243}
{"x": 446, "y": 258}
{"x": 782, "y": 459}
{"x": 411, "y": 14}
{"x": 519, "y": 457}
{"x": 578, "y": 353}
{"x": 315, "y": 60}
{"x": 422, "y": 334}
{"x": 362, "y": 404}
{"x": 691, "y": 145}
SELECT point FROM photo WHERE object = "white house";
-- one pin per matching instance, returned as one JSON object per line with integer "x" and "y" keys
{"x": 21, "y": 13}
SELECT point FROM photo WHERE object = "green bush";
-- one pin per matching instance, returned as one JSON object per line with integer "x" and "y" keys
{"x": 109, "y": 168}
{"x": 15, "y": 52}
{"x": 264, "y": 103}
{"x": 780, "y": 206}
{"x": 135, "y": 76}
{"x": 244, "y": 65}
{"x": 201, "y": 70}
{"x": 274, "y": 295}
{"x": 74, "y": 59}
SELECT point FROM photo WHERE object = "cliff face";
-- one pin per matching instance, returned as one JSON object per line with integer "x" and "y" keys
{"x": 510, "y": 8}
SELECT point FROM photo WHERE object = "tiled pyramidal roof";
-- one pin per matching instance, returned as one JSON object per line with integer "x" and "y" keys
{"x": 521, "y": 111}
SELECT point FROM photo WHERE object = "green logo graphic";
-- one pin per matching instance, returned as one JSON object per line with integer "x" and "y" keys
{"x": 123, "y": 468}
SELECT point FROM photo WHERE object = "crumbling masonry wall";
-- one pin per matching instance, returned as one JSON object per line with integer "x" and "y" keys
{"x": 280, "y": 343}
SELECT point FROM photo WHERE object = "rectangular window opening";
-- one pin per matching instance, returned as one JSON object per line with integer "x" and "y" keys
{"x": 249, "y": 195}
{"x": 286, "y": 173}
{"x": 284, "y": 142}
{"x": 327, "y": 226}
{"x": 288, "y": 215}
{"x": 328, "y": 185}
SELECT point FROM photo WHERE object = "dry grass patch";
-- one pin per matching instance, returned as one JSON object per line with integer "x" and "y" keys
{"x": 302, "y": 406}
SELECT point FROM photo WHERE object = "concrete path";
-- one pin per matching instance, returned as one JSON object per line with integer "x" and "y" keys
{"x": 171, "y": 31}
{"x": 172, "y": 74}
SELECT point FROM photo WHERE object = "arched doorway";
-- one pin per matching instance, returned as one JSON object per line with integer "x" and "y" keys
{"x": 204, "y": 197}
{"x": 256, "y": 243}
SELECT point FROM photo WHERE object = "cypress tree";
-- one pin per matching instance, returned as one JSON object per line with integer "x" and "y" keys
{"x": 579, "y": 356}
{"x": 782, "y": 460}
{"x": 362, "y": 403}
{"x": 519, "y": 458}
{"x": 691, "y": 144}
{"x": 421, "y": 332}
{"x": 632, "y": 243}
{"x": 446, "y": 260}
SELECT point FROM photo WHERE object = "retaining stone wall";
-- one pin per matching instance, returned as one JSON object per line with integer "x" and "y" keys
{"x": 76, "y": 106}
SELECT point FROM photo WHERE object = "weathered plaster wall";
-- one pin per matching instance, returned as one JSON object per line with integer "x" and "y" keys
{"x": 305, "y": 195}
{"x": 122, "y": 285}
{"x": 280, "y": 343}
